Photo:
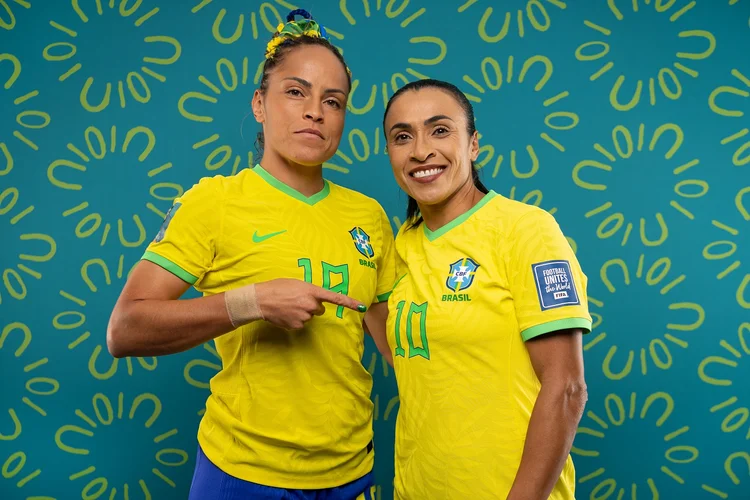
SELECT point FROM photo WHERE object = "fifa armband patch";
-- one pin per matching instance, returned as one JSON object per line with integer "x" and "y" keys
{"x": 163, "y": 229}
{"x": 554, "y": 284}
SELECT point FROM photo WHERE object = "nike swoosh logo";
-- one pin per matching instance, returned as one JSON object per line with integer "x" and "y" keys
{"x": 257, "y": 238}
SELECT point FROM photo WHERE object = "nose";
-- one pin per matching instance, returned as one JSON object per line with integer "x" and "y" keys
{"x": 422, "y": 150}
{"x": 314, "y": 111}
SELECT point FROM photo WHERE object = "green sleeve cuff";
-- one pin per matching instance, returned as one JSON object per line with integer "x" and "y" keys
{"x": 553, "y": 326}
{"x": 383, "y": 297}
{"x": 170, "y": 266}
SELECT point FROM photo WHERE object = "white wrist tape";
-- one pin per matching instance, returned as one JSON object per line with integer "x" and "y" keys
{"x": 242, "y": 305}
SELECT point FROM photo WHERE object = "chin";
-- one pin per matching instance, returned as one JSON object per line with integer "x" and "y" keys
{"x": 310, "y": 158}
{"x": 429, "y": 196}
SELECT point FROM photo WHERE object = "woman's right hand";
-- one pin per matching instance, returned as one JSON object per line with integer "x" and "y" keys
{"x": 290, "y": 303}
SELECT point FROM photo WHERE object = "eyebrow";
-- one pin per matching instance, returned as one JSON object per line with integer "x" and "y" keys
{"x": 309, "y": 85}
{"x": 428, "y": 121}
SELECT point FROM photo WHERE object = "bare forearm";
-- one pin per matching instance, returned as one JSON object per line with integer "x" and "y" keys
{"x": 159, "y": 327}
{"x": 550, "y": 435}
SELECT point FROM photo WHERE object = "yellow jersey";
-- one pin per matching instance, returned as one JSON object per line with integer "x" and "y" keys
{"x": 467, "y": 297}
{"x": 289, "y": 409}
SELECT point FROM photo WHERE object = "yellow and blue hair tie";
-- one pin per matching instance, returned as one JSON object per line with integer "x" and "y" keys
{"x": 293, "y": 29}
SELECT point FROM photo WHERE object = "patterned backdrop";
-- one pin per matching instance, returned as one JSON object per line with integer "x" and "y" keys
{"x": 626, "y": 119}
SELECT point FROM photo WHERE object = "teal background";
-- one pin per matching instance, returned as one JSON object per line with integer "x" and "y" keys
{"x": 667, "y": 364}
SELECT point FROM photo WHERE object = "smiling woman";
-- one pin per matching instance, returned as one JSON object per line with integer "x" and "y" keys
{"x": 269, "y": 247}
{"x": 502, "y": 272}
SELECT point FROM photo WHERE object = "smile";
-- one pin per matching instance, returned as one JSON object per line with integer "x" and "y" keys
{"x": 427, "y": 174}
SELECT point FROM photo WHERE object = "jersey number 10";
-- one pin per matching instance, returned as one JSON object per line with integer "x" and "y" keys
{"x": 328, "y": 271}
{"x": 421, "y": 310}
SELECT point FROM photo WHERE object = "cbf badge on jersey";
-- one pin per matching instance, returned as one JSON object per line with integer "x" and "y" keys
{"x": 554, "y": 284}
{"x": 460, "y": 277}
{"x": 167, "y": 220}
{"x": 362, "y": 244}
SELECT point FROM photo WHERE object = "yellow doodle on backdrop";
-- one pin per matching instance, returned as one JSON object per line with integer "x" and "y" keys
{"x": 721, "y": 371}
{"x": 266, "y": 12}
{"x": 14, "y": 468}
{"x": 667, "y": 81}
{"x": 41, "y": 248}
{"x": 26, "y": 116}
{"x": 625, "y": 143}
{"x": 731, "y": 94}
{"x": 535, "y": 14}
{"x": 98, "y": 277}
{"x": 225, "y": 79}
{"x": 361, "y": 149}
{"x": 656, "y": 351}
{"x": 735, "y": 2}
{"x": 537, "y": 71}
{"x": 106, "y": 413}
{"x": 625, "y": 412}
{"x": 736, "y": 468}
{"x": 435, "y": 48}
{"x": 7, "y": 18}
{"x": 15, "y": 339}
{"x": 270, "y": 16}
{"x": 97, "y": 149}
{"x": 137, "y": 87}
{"x": 713, "y": 251}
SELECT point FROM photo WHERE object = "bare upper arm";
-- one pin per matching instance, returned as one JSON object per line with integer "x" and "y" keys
{"x": 557, "y": 356}
{"x": 150, "y": 281}
{"x": 375, "y": 321}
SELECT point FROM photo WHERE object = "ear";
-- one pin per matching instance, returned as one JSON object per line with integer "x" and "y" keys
{"x": 258, "y": 109}
{"x": 474, "y": 146}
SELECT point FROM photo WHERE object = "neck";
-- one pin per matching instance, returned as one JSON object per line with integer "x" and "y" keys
{"x": 304, "y": 179}
{"x": 460, "y": 202}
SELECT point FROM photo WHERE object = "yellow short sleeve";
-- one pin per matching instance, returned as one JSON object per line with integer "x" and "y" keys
{"x": 546, "y": 280}
{"x": 387, "y": 264}
{"x": 185, "y": 243}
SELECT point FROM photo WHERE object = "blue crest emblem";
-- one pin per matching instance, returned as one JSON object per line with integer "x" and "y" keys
{"x": 362, "y": 242}
{"x": 461, "y": 274}
{"x": 167, "y": 220}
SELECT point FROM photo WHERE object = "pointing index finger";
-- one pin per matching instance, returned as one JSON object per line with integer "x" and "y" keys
{"x": 339, "y": 299}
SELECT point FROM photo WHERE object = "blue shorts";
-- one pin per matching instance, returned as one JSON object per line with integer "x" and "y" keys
{"x": 211, "y": 483}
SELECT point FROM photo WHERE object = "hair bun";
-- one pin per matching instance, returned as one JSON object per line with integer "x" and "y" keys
{"x": 298, "y": 12}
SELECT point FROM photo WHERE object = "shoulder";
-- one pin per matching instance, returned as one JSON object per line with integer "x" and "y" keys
{"x": 353, "y": 197}
{"x": 207, "y": 186}
{"x": 508, "y": 216}
{"x": 360, "y": 206}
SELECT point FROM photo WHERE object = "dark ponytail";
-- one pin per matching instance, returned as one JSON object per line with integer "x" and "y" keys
{"x": 413, "y": 217}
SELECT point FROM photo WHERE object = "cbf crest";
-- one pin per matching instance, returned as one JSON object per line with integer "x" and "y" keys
{"x": 362, "y": 242}
{"x": 461, "y": 274}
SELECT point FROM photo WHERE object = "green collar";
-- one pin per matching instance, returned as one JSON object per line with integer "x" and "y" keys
{"x": 273, "y": 181}
{"x": 433, "y": 235}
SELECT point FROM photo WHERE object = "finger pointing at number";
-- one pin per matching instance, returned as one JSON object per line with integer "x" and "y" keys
{"x": 324, "y": 295}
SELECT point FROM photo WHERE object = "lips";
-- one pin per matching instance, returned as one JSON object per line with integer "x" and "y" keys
{"x": 311, "y": 131}
{"x": 427, "y": 173}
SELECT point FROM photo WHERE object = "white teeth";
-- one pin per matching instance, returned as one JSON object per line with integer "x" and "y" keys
{"x": 427, "y": 173}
